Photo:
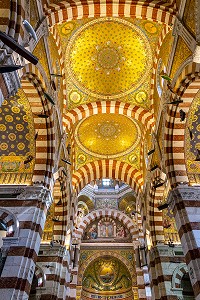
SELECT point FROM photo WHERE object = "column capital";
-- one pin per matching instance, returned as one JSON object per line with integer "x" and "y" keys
{"x": 39, "y": 193}
{"x": 183, "y": 193}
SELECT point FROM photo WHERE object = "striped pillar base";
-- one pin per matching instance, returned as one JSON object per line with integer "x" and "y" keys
{"x": 185, "y": 203}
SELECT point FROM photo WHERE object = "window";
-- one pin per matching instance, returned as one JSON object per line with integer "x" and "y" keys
{"x": 105, "y": 182}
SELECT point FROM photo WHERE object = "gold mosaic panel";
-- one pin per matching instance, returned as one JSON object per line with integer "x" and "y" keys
{"x": 40, "y": 53}
{"x": 193, "y": 121}
{"x": 107, "y": 135}
{"x": 181, "y": 54}
{"x": 68, "y": 32}
{"x": 108, "y": 51}
{"x": 189, "y": 16}
{"x": 56, "y": 69}
{"x": 17, "y": 140}
{"x": 34, "y": 16}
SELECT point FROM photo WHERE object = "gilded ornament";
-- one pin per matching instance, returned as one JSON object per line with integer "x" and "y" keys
{"x": 2, "y": 127}
{"x": 107, "y": 135}
{"x": 19, "y": 127}
{"x": 12, "y": 137}
{"x": 9, "y": 118}
{"x": 150, "y": 27}
{"x": 82, "y": 158}
{"x": 3, "y": 146}
{"x": 15, "y": 109}
{"x": 141, "y": 97}
{"x": 20, "y": 146}
{"x": 67, "y": 28}
{"x": 93, "y": 61}
{"x": 75, "y": 97}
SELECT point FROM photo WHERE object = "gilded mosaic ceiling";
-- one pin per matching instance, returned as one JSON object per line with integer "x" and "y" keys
{"x": 107, "y": 274}
{"x": 108, "y": 58}
{"x": 107, "y": 135}
{"x": 17, "y": 140}
{"x": 192, "y": 141}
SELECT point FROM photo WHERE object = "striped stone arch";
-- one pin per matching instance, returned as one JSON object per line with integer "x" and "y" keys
{"x": 158, "y": 11}
{"x": 106, "y": 252}
{"x": 107, "y": 168}
{"x": 164, "y": 32}
{"x": 175, "y": 129}
{"x": 178, "y": 274}
{"x": 61, "y": 206}
{"x": 12, "y": 14}
{"x": 33, "y": 85}
{"x": 111, "y": 213}
{"x": 10, "y": 221}
{"x": 40, "y": 276}
{"x": 155, "y": 216}
{"x": 109, "y": 107}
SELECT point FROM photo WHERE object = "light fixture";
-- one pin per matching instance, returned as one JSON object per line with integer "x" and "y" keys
{"x": 66, "y": 161}
{"x": 3, "y": 226}
{"x": 151, "y": 152}
{"x": 74, "y": 243}
{"x": 49, "y": 98}
{"x": 162, "y": 205}
{"x": 12, "y": 44}
{"x": 175, "y": 102}
{"x": 9, "y": 68}
{"x": 182, "y": 115}
{"x": 29, "y": 29}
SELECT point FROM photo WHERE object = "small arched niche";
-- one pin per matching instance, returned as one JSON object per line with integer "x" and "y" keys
{"x": 106, "y": 277}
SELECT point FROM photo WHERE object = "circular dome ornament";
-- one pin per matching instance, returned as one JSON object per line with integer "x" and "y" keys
{"x": 107, "y": 135}
{"x": 108, "y": 58}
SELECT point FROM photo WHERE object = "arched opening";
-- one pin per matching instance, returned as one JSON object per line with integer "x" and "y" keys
{"x": 106, "y": 278}
{"x": 186, "y": 285}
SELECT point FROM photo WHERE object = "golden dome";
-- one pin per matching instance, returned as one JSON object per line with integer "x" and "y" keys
{"x": 108, "y": 58}
{"x": 107, "y": 135}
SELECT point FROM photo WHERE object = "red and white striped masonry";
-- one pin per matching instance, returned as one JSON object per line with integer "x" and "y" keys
{"x": 115, "y": 214}
{"x": 61, "y": 192}
{"x": 158, "y": 11}
{"x": 107, "y": 168}
{"x": 175, "y": 131}
{"x": 185, "y": 203}
{"x": 108, "y": 107}
{"x": 112, "y": 107}
{"x": 33, "y": 86}
{"x": 155, "y": 216}
{"x": 22, "y": 249}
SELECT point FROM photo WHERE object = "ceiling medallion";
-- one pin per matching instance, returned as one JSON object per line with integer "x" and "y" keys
{"x": 108, "y": 58}
{"x": 107, "y": 135}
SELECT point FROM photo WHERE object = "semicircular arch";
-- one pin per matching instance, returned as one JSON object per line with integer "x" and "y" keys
{"x": 108, "y": 168}
{"x": 112, "y": 213}
{"x": 65, "y": 11}
{"x": 108, "y": 107}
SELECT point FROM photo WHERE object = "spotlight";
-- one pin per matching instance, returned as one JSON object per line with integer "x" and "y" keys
{"x": 12, "y": 44}
{"x": 175, "y": 102}
{"x": 49, "y": 98}
{"x": 151, "y": 152}
{"x": 153, "y": 168}
{"x": 66, "y": 161}
{"x": 29, "y": 29}
{"x": 190, "y": 133}
{"x": 9, "y": 68}
{"x": 163, "y": 206}
{"x": 182, "y": 115}
{"x": 198, "y": 155}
